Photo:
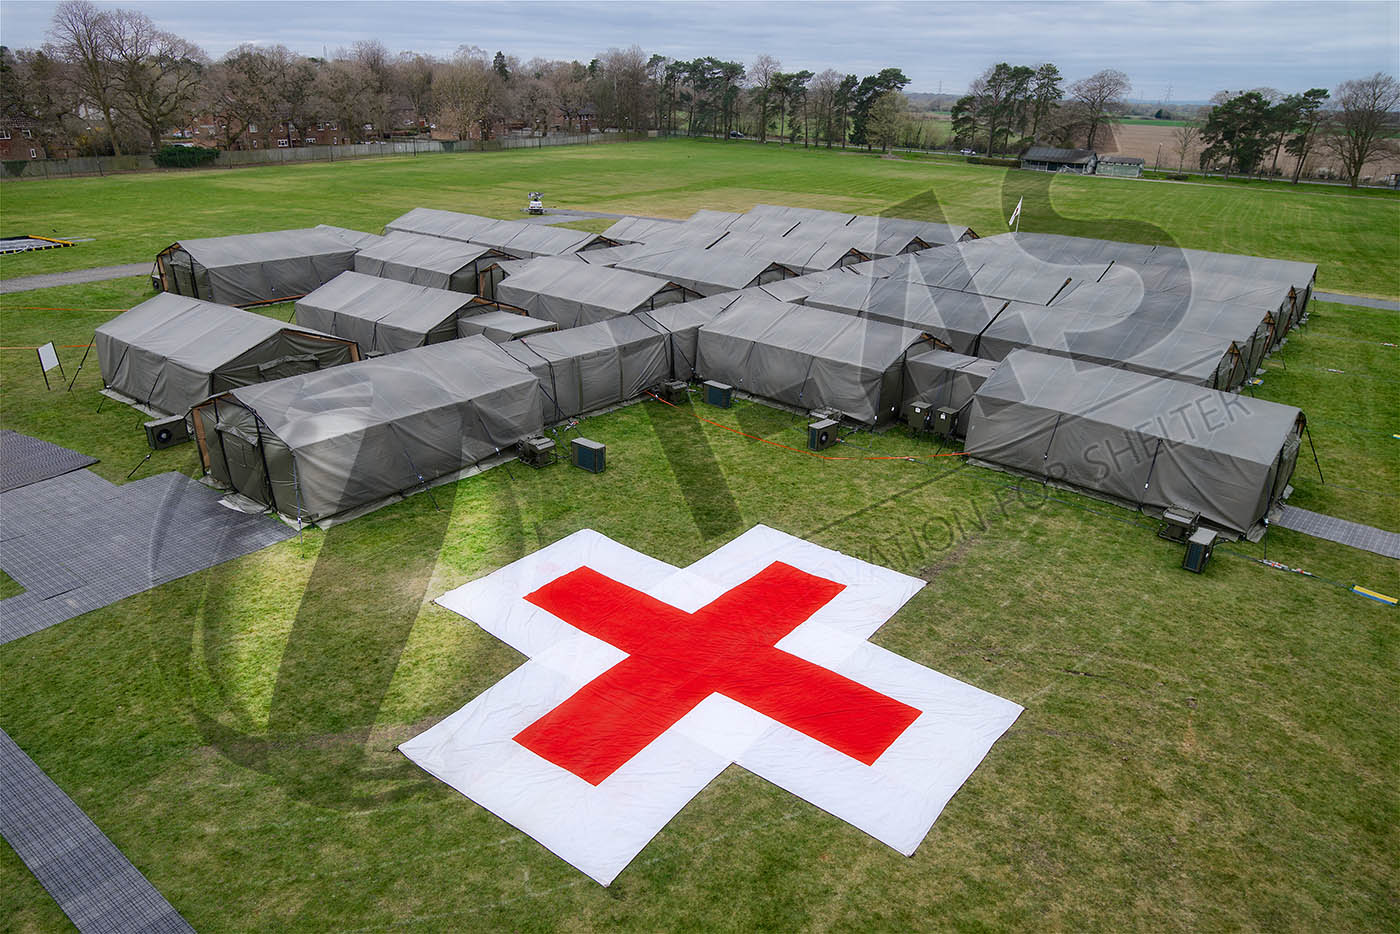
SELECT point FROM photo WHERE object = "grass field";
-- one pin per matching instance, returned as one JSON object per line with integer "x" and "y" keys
{"x": 1197, "y": 752}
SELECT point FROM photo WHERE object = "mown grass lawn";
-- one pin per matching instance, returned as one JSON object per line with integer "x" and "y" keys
{"x": 1352, "y": 238}
{"x": 1202, "y": 752}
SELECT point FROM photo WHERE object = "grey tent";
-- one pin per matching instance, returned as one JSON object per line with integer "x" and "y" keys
{"x": 807, "y": 357}
{"x": 717, "y": 219}
{"x": 319, "y": 444}
{"x": 435, "y": 223}
{"x": 1280, "y": 299}
{"x": 956, "y": 320}
{"x": 1253, "y": 328}
{"x": 1142, "y": 346}
{"x": 356, "y": 238}
{"x": 1144, "y": 442}
{"x": 707, "y": 271}
{"x": 801, "y": 256}
{"x": 613, "y": 255}
{"x": 682, "y": 324}
{"x": 797, "y": 289}
{"x": 251, "y": 269}
{"x": 593, "y": 367}
{"x": 502, "y": 326}
{"x": 941, "y": 379}
{"x": 171, "y": 352}
{"x": 571, "y": 293}
{"x": 434, "y": 261}
{"x": 383, "y": 315}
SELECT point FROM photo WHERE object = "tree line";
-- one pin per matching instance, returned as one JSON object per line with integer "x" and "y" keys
{"x": 110, "y": 81}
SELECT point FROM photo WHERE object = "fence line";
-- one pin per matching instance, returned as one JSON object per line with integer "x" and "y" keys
{"x": 237, "y": 158}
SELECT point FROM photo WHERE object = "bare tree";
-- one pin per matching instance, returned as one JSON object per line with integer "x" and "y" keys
{"x": 1185, "y": 139}
{"x": 239, "y": 92}
{"x": 823, "y": 94}
{"x": 413, "y": 81}
{"x": 158, "y": 74}
{"x": 1100, "y": 95}
{"x": 466, "y": 93}
{"x": 1361, "y": 122}
{"x": 82, "y": 34}
{"x": 761, "y": 74}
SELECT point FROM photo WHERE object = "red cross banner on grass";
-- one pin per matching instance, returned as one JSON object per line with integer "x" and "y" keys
{"x": 645, "y": 681}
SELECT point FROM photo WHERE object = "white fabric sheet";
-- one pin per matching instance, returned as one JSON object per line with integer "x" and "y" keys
{"x": 600, "y": 828}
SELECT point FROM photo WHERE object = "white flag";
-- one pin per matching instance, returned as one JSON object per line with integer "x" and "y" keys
{"x": 1016, "y": 213}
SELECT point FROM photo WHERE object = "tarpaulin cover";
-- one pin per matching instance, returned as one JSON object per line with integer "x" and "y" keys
{"x": 1146, "y": 442}
{"x": 646, "y": 681}
{"x": 954, "y": 319}
{"x": 171, "y": 352}
{"x": 382, "y": 315}
{"x": 682, "y": 324}
{"x": 571, "y": 293}
{"x": 501, "y": 326}
{"x": 356, "y": 238}
{"x": 707, "y": 271}
{"x": 797, "y": 289}
{"x": 801, "y": 256}
{"x": 322, "y": 443}
{"x": 1132, "y": 343}
{"x": 520, "y": 239}
{"x": 432, "y": 261}
{"x": 944, "y": 379}
{"x": 435, "y": 223}
{"x": 595, "y": 366}
{"x": 807, "y": 357}
{"x": 248, "y": 269}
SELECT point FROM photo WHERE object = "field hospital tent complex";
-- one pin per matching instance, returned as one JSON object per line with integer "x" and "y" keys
{"x": 319, "y": 444}
{"x": 171, "y": 352}
{"x": 250, "y": 269}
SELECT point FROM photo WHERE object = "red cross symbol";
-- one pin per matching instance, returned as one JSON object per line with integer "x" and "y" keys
{"x": 677, "y": 659}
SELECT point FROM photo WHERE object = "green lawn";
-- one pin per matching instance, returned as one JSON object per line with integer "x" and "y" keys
{"x": 1197, "y": 752}
{"x": 1356, "y": 242}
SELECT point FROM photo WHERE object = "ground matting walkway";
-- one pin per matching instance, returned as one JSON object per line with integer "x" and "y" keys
{"x": 1341, "y": 531}
{"x": 95, "y": 885}
{"x": 1382, "y": 303}
{"x": 76, "y": 542}
{"x": 25, "y": 460}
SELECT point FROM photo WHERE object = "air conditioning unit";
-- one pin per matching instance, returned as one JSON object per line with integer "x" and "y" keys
{"x": 162, "y": 433}
{"x": 821, "y": 435}
{"x": 1198, "y": 549}
{"x": 537, "y": 451}
{"x": 1179, "y": 523}
{"x": 590, "y": 455}
{"x": 674, "y": 391}
{"x": 718, "y": 394}
{"x": 944, "y": 422}
{"x": 917, "y": 415}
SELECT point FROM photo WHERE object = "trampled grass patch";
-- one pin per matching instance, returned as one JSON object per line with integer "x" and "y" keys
{"x": 1203, "y": 751}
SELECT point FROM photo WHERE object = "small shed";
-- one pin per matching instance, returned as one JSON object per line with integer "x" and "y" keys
{"x": 1120, "y": 166}
{"x": 1051, "y": 159}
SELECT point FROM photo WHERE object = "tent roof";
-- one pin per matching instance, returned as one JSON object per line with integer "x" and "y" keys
{"x": 504, "y": 324}
{"x": 1246, "y": 428}
{"x": 600, "y": 286}
{"x": 527, "y": 240}
{"x": 426, "y": 252}
{"x": 389, "y": 301}
{"x": 798, "y": 288}
{"x": 356, "y": 238}
{"x": 243, "y": 249}
{"x": 198, "y": 335}
{"x": 347, "y": 400}
{"x": 795, "y": 253}
{"x": 686, "y": 265}
{"x": 437, "y": 223}
{"x": 954, "y": 318}
{"x": 817, "y": 332}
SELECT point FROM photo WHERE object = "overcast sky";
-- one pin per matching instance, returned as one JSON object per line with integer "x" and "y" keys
{"x": 1189, "y": 49}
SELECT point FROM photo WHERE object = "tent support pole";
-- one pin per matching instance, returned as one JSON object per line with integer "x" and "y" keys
{"x": 81, "y": 362}
{"x": 1316, "y": 462}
